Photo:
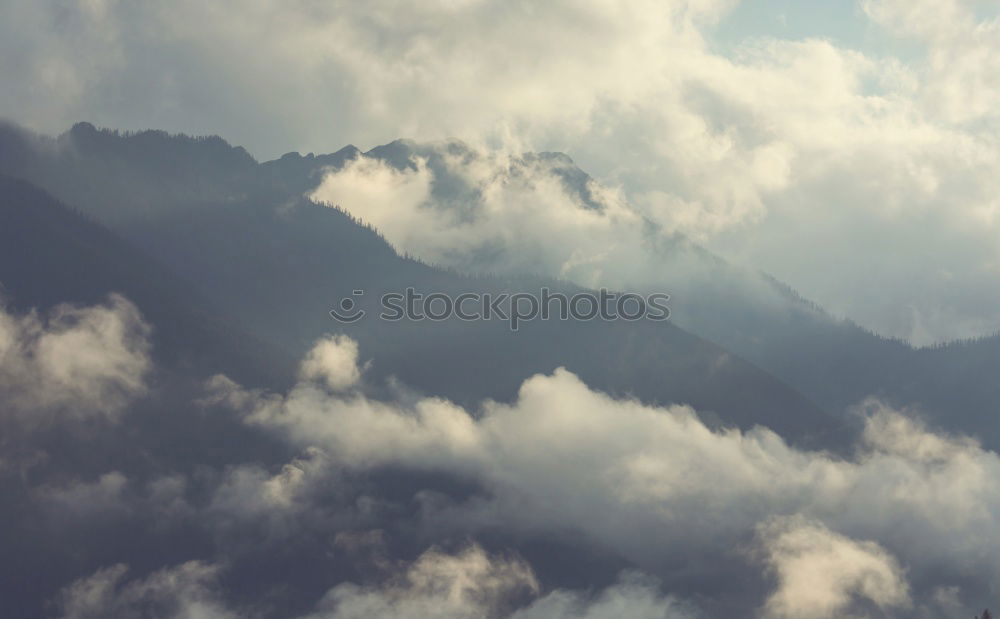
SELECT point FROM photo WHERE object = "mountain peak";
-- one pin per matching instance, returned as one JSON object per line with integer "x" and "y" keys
{"x": 83, "y": 128}
{"x": 132, "y": 144}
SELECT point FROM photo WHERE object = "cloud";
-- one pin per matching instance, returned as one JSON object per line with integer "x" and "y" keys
{"x": 250, "y": 489}
{"x": 819, "y": 572}
{"x": 489, "y": 211}
{"x": 76, "y": 363}
{"x": 634, "y": 596}
{"x": 250, "y": 502}
{"x": 182, "y": 592}
{"x": 333, "y": 361}
{"x": 390, "y": 68}
{"x": 469, "y": 584}
{"x": 787, "y": 154}
{"x": 911, "y": 511}
{"x": 702, "y": 519}
{"x": 473, "y": 584}
{"x": 962, "y": 63}
{"x": 100, "y": 498}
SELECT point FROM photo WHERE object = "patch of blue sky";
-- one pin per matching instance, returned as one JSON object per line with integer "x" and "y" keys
{"x": 842, "y": 22}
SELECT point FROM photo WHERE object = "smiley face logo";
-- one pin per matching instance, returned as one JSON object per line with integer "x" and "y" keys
{"x": 346, "y": 311}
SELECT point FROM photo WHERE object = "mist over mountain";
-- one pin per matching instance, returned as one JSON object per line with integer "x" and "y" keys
{"x": 486, "y": 201}
{"x": 219, "y": 444}
{"x": 307, "y": 257}
{"x": 478, "y": 309}
{"x": 782, "y": 135}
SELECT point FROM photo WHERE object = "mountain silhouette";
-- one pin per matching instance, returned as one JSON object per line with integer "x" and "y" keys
{"x": 212, "y": 202}
{"x": 278, "y": 263}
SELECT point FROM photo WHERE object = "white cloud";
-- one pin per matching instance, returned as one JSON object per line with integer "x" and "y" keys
{"x": 248, "y": 489}
{"x": 659, "y": 487}
{"x": 472, "y": 584}
{"x": 820, "y": 573}
{"x": 389, "y": 69}
{"x": 465, "y": 585}
{"x": 790, "y": 155}
{"x": 469, "y": 584}
{"x": 962, "y": 69}
{"x": 333, "y": 361}
{"x": 76, "y": 363}
{"x": 498, "y": 213}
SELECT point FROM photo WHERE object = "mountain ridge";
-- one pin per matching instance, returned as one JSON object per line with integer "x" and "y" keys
{"x": 835, "y": 363}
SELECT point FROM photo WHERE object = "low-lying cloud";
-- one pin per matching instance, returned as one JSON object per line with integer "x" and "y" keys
{"x": 469, "y": 584}
{"x": 904, "y": 524}
{"x": 74, "y": 363}
{"x": 420, "y": 507}
{"x": 820, "y": 573}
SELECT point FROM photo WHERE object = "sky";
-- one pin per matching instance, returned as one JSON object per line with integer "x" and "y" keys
{"x": 841, "y": 21}
{"x": 848, "y": 148}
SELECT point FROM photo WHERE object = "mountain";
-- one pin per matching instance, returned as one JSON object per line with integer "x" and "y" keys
{"x": 238, "y": 277}
{"x": 51, "y": 254}
{"x": 199, "y": 219}
{"x": 279, "y": 263}
{"x": 832, "y": 361}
